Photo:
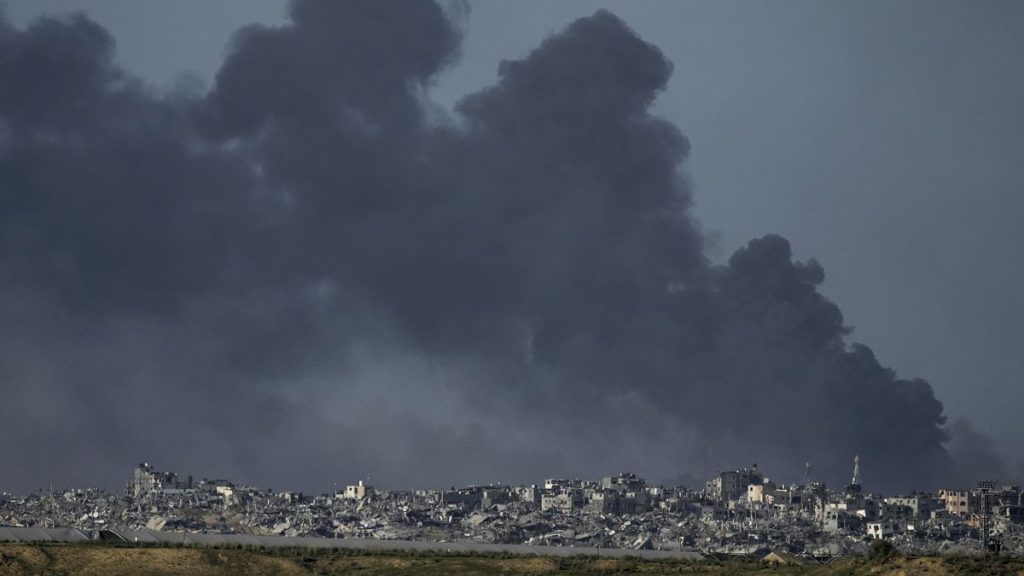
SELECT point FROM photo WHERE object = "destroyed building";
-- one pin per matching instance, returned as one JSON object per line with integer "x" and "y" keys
{"x": 732, "y": 484}
{"x": 726, "y": 517}
{"x": 146, "y": 480}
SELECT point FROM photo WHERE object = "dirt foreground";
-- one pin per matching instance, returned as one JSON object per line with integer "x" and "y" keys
{"x": 105, "y": 560}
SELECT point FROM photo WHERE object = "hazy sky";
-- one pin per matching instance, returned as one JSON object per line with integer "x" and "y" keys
{"x": 883, "y": 138}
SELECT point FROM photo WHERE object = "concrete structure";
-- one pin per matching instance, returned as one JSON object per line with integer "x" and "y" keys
{"x": 146, "y": 480}
{"x": 759, "y": 493}
{"x": 917, "y": 505}
{"x": 807, "y": 519}
{"x": 468, "y": 498}
{"x": 785, "y": 499}
{"x": 529, "y": 493}
{"x": 227, "y": 493}
{"x": 622, "y": 494}
{"x": 492, "y": 495}
{"x": 956, "y": 501}
{"x": 556, "y": 483}
{"x": 564, "y": 501}
{"x": 732, "y": 484}
{"x": 358, "y": 491}
{"x": 880, "y": 530}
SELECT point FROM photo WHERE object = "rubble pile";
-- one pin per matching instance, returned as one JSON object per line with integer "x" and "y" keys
{"x": 736, "y": 513}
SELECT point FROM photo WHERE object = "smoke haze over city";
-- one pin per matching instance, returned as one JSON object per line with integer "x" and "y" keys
{"x": 310, "y": 269}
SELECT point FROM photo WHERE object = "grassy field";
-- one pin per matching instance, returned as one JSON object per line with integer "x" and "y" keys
{"x": 104, "y": 560}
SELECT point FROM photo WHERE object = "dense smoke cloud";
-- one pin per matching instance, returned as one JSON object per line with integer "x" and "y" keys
{"x": 308, "y": 274}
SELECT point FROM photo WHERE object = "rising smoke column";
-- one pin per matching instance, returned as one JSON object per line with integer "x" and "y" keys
{"x": 181, "y": 267}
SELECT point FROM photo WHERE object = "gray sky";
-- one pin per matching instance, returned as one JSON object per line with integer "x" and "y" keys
{"x": 884, "y": 139}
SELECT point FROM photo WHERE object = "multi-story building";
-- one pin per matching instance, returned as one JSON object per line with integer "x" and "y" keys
{"x": 146, "y": 480}
{"x": 623, "y": 494}
{"x": 566, "y": 500}
{"x": 760, "y": 493}
{"x": 732, "y": 484}
{"x": 956, "y": 501}
{"x": 917, "y": 505}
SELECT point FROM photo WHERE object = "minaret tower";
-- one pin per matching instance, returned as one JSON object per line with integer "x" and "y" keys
{"x": 854, "y": 488}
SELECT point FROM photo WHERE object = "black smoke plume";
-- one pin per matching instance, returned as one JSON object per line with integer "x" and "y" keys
{"x": 303, "y": 275}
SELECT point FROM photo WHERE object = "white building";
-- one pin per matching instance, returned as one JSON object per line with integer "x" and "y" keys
{"x": 357, "y": 492}
{"x": 880, "y": 530}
